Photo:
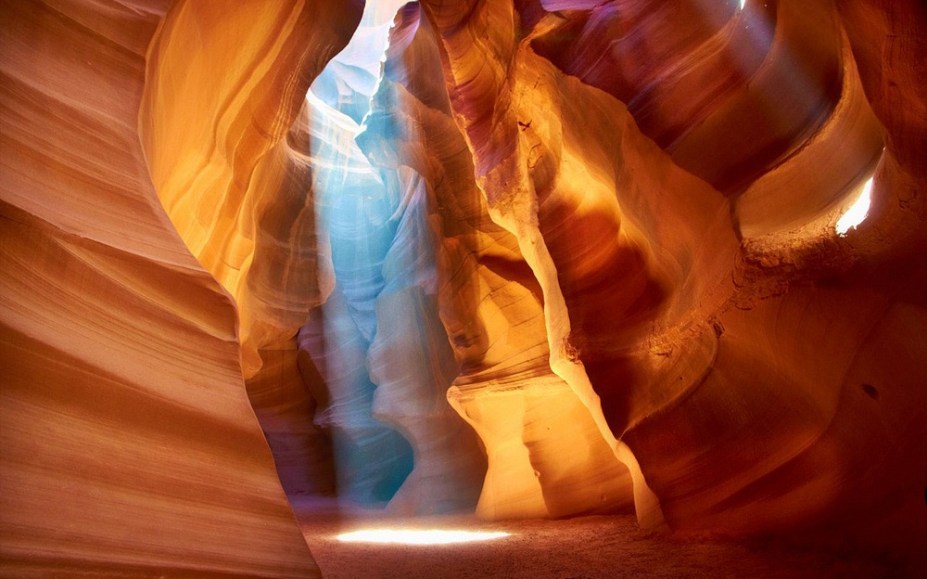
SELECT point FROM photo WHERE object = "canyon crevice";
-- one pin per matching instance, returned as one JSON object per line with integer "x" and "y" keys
{"x": 522, "y": 258}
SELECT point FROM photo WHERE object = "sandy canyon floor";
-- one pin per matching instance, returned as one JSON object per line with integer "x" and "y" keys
{"x": 589, "y": 547}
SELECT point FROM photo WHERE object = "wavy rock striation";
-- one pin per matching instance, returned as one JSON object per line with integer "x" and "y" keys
{"x": 528, "y": 419}
{"x": 128, "y": 443}
{"x": 228, "y": 154}
{"x": 674, "y": 190}
{"x": 223, "y": 89}
{"x": 545, "y": 257}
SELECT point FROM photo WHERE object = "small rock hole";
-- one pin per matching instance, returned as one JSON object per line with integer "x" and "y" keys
{"x": 871, "y": 391}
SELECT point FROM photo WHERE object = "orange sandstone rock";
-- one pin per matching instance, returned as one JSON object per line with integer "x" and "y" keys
{"x": 608, "y": 276}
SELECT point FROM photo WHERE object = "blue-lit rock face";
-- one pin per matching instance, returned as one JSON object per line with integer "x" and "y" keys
{"x": 412, "y": 364}
{"x": 358, "y": 209}
{"x": 378, "y": 341}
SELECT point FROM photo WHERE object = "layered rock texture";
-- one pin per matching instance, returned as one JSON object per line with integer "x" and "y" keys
{"x": 524, "y": 258}
{"x": 128, "y": 442}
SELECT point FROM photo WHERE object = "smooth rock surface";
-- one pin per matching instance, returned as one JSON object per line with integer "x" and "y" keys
{"x": 543, "y": 258}
{"x": 129, "y": 447}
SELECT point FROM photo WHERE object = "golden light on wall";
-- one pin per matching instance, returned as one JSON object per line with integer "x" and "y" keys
{"x": 857, "y": 212}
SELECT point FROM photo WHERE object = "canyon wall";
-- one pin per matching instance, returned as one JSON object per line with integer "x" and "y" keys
{"x": 673, "y": 173}
{"x": 129, "y": 445}
{"x": 544, "y": 258}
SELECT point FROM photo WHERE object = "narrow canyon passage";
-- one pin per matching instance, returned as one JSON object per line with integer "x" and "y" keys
{"x": 367, "y": 153}
{"x": 638, "y": 285}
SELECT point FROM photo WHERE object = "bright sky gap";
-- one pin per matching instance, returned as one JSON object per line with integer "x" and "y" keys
{"x": 857, "y": 212}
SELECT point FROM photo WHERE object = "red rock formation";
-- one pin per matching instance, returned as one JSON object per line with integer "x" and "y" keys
{"x": 731, "y": 373}
{"x": 528, "y": 419}
{"x": 214, "y": 123}
{"x": 128, "y": 443}
{"x": 609, "y": 235}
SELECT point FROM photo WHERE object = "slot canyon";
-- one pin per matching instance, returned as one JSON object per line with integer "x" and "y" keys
{"x": 633, "y": 287}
